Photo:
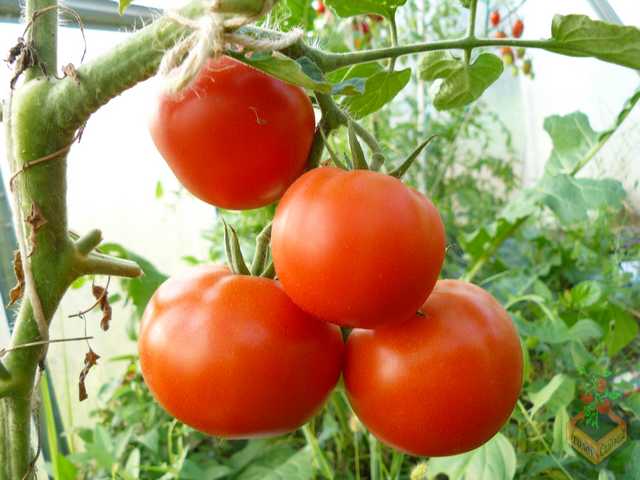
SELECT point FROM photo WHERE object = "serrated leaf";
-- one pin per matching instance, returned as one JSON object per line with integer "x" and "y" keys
{"x": 623, "y": 329}
{"x": 379, "y": 90}
{"x": 123, "y": 5}
{"x": 554, "y": 395}
{"x": 350, "y": 8}
{"x": 286, "y": 69}
{"x": 495, "y": 460}
{"x": 462, "y": 84}
{"x": 572, "y": 138}
{"x": 580, "y": 36}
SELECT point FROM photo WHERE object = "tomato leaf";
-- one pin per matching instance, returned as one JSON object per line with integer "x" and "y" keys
{"x": 299, "y": 13}
{"x": 558, "y": 393}
{"x": 462, "y": 84}
{"x": 623, "y": 329}
{"x": 572, "y": 138}
{"x": 580, "y": 36}
{"x": 495, "y": 460}
{"x": 123, "y": 5}
{"x": 278, "y": 65}
{"x": 349, "y": 8}
{"x": 379, "y": 90}
{"x": 560, "y": 443}
{"x": 586, "y": 294}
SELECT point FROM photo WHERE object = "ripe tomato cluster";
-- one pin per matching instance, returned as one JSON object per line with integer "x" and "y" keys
{"x": 516, "y": 59}
{"x": 430, "y": 367}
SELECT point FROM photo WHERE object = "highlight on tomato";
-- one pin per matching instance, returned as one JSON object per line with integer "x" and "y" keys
{"x": 441, "y": 382}
{"x": 356, "y": 248}
{"x": 237, "y": 138}
{"x": 232, "y": 356}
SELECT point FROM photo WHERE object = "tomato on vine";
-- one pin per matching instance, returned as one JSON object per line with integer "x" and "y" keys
{"x": 518, "y": 28}
{"x": 238, "y": 137}
{"x": 232, "y": 356}
{"x": 320, "y": 7}
{"x": 500, "y": 34}
{"x": 356, "y": 248}
{"x": 495, "y": 18}
{"x": 442, "y": 381}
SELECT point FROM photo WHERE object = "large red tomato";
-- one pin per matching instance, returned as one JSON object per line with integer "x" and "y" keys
{"x": 356, "y": 248}
{"x": 439, "y": 384}
{"x": 238, "y": 137}
{"x": 232, "y": 356}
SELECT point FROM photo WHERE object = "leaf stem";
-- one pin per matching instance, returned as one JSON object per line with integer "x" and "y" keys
{"x": 540, "y": 437}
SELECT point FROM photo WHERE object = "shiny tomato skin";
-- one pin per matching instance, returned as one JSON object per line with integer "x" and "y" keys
{"x": 495, "y": 18}
{"x": 238, "y": 137}
{"x": 233, "y": 357}
{"x": 356, "y": 248}
{"x": 518, "y": 28}
{"x": 439, "y": 384}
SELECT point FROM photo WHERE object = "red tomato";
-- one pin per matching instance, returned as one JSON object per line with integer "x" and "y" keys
{"x": 518, "y": 28}
{"x": 602, "y": 385}
{"x": 501, "y": 34}
{"x": 356, "y": 248}
{"x": 439, "y": 384}
{"x": 320, "y": 8}
{"x": 238, "y": 138}
{"x": 604, "y": 406}
{"x": 232, "y": 356}
{"x": 586, "y": 398}
{"x": 364, "y": 28}
{"x": 495, "y": 18}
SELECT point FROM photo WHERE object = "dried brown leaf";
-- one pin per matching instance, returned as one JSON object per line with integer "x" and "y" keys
{"x": 101, "y": 294}
{"x": 37, "y": 221}
{"x": 16, "y": 292}
{"x": 70, "y": 71}
{"x": 90, "y": 359}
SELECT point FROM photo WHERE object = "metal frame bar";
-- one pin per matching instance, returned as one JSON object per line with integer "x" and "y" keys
{"x": 95, "y": 14}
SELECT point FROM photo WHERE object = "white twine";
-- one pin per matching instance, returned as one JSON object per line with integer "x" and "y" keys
{"x": 182, "y": 63}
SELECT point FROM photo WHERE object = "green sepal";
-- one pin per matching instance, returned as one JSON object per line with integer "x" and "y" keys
{"x": 357, "y": 154}
{"x": 234, "y": 253}
{"x": 262, "y": 251}
{"x": 404, "y": 166}
{"x": 269, "y": 271}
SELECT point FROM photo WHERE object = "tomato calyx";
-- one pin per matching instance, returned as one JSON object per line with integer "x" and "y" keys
{"x": 261, "y": 266}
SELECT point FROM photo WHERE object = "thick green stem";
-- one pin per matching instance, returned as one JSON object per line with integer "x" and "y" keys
{"x": 15, "y": 451}
{"x": 122, "y": 67}
{"x": 44, "y": 36}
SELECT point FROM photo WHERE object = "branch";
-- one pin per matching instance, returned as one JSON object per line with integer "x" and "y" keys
{"x": 86, "y": 244}
{"x": 98, "y": 264}
{"x": 106, "y": 77}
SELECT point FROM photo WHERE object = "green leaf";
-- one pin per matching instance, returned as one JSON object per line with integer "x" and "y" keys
{"x": 555, "y": 395}
{"x": 586, "y": 294}
{"x": 278, "y": 65}
{"x": 623, "y": 329}
{"x": 379, "y": 89}
{"x": 585, "y": 330}
{"x": 159, "y": 189}
{"x": 461, "y": 83}
{"x": 633, "y": 403}
{"x": 123, "y": 5}
{"x": 349, "y": 8}
{"x": 560, "y": 422}
{"x": 300, "y": 13}
{"x": 572, "y": 138}
{"x": 578, "y": 35}
{"x": 570, "y": 198}
{"x": 495, "y": 460}
{"x": 132, "y": 467}
{"x": 66, "y": 469}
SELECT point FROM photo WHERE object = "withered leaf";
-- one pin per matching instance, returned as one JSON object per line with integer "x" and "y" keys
{"x": 37, "y": 221}
{"x": 90, "y": 359}
{"x": 70, "y": 71}
{"x": 101, "y": 295}
{"x": 16, "y": 292}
